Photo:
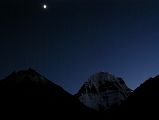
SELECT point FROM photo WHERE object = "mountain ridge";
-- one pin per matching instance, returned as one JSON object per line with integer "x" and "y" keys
{"x": 29, "y": 93}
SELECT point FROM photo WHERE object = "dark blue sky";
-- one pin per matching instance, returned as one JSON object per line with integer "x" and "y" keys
{"x": 73, "y": 39}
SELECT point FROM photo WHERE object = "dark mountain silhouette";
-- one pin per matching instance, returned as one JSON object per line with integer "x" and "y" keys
{"x": 29, "y": 93}
{"x": 142, "y": 103}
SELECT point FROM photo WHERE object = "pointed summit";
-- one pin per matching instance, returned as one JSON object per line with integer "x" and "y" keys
{"x": 24, "y": 76}
{"x": 102, "y": 91}
{"x": 28, "y": 90}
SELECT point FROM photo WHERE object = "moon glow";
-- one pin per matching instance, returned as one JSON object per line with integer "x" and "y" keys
{"x": 45, "y": 6}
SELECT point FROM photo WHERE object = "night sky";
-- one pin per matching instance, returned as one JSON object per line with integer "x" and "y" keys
{"x": 72, "y": 39}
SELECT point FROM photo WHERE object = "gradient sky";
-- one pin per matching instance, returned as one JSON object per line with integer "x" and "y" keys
{"x": 73, "y": 39}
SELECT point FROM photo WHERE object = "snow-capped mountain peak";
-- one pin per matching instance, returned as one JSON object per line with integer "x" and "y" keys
{"x": 102, "y": 91}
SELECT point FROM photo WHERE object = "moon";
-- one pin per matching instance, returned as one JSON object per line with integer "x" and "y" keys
{"x": 45, "y": 6}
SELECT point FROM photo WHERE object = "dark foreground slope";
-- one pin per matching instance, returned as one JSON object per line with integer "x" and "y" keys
{"x": 27, "y": 93}
{"x": 142, "y": 103}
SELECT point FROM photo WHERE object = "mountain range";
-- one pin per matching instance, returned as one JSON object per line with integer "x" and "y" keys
{"x": 27, "y": 93}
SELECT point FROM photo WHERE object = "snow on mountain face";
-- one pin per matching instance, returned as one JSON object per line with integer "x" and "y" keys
{"x": 102, "y": 91}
